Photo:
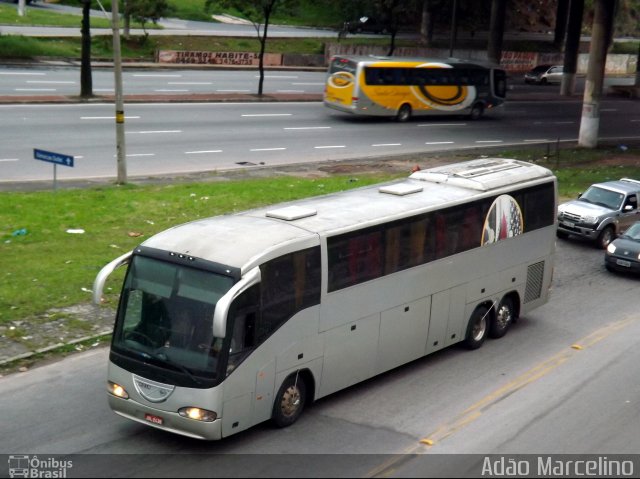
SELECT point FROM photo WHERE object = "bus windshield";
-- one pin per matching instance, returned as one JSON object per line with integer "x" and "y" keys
{"x": 166, "y": 319}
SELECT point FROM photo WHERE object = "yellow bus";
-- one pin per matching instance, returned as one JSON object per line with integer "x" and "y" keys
{"x": 404, "y": 87}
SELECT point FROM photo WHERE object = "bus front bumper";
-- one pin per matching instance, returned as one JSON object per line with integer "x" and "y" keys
{"x": 165, "y": 420}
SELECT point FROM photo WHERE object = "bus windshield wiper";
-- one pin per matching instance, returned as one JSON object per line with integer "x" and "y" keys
{"x": 162, "y": 357}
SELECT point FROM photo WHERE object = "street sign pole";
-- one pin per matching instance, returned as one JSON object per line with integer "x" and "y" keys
{"x": 56, "y": 159}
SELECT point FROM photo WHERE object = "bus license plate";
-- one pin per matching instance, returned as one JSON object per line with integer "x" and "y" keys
{"x": 154, "y": 419}
{"x": 624, "y": 263}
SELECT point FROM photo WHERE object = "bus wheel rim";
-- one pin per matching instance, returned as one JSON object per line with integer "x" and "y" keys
{"x": 479, "y": 328}
{"x": 290, "y": 403}
{"x": 503, "y": 316}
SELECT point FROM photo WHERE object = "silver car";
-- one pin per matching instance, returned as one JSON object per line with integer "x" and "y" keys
{"x": 543, "y": 74}
{"x": 602, "y": 212}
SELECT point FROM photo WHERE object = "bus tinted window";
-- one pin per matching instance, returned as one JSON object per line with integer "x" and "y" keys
{"x": 425, "y": 76}
{"x": 364, "y": 255}
{"x": 342, "y": 65}
{"x": 290, "y": 283}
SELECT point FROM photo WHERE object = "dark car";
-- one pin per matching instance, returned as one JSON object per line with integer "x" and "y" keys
{"x": 543, "y": 74}
{"x": 367, "y": 24}
{"x": 623, "y": 253}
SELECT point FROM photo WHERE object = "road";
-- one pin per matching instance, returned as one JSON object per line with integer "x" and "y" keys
{"x": 20, "y": 81}
{"x": 182, "y": 138}
{"x": 562, "y": 381}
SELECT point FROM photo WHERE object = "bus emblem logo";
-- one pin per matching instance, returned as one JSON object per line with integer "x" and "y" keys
{"x": 152, "y": 391}
{"x": 341, "y": 79}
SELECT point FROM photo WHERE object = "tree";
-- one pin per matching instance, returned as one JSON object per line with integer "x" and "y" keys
{"x": 145, "y": 11}
{"x": 86, "y": 82}
{"x": 391, "y": 12}
{"x": 259, "y": 13}
{"x": 572, "y": 47}
{"x": 496, "y": 30}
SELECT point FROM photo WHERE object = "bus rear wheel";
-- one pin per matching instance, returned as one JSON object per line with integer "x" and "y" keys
{"x": 476, "y": 111}
{"x": 404, "y": 113}
{"x": 477, "y": 328}
{"x": 290, "y": 401}
{"x": 505, "y": 316}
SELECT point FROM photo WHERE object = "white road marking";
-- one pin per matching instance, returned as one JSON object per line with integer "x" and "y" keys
{"x": 278, "y": 76}
{"x": 267, "y": 149}
{"x": 443, "y": 124}
{"x": 439, "y": 143}
{"x": 307, "y": 128}
{"x": 189, "y": 83}
{"x": 140, "y": 154}
{"x": 489, "y": 141}
{"x": 51, "y": 82}
{"x": 537, "y": 140}
{"x": 232, "y": 91}
{"x": 156, "y": 75}
{"x": 387, "y": 144}
{"x": 108, "y": 117}
{"x": 9, "y": 159}
{"x": 202, "y": 152}
{"x": 330, "y": 146}
{"x": 268, "y": 114}
{"x": 147, "y": 132}
{"x": 35, "y": 89}
{"x": 23, "y": 73}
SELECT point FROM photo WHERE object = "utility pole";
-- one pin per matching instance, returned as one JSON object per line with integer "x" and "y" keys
{"x": 21, "y": 7}
{"x": 454, "y": 28}
{"x": 121, "y": 151}
{"x": 600, "y": 38}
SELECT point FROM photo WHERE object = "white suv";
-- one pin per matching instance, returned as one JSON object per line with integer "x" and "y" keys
{"x": 602, "y": 212}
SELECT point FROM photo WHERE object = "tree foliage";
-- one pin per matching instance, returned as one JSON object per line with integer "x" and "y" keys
{"x": 259, "y": 13}
{"x": 145, "y": 11}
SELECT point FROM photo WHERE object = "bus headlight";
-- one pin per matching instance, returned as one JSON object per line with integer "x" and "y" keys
{"x": 197, "y": 414}
{"x": 117, "y": 390}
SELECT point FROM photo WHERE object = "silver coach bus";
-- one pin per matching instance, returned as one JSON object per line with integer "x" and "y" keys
{"x": 226, "y": 322}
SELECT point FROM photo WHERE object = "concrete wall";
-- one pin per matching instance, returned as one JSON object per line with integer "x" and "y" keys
{"x": 515, "y": 62}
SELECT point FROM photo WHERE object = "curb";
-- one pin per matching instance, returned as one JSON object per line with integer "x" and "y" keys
{"x": 53, "y": 347}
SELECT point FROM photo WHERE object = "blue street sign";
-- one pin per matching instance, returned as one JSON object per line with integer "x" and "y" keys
{"x": 56, "y": 158}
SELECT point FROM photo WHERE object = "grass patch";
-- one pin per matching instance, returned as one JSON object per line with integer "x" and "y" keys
{"x": 47, "y": 267}
{"x": 9, "y": 16}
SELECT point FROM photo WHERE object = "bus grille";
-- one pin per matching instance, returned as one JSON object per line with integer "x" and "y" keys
{"x": 535, "y": 273}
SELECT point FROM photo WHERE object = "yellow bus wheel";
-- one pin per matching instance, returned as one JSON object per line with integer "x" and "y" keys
{"x": 404, "y": 113}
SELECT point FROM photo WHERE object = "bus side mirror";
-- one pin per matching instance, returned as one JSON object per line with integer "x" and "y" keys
{"x": 101, "y": 278}
{"x": 222, "y": 307}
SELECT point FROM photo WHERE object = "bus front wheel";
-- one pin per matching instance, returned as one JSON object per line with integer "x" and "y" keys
{"x": 477, "y": 328}
{"x": 404, "y": 113}
{"x": 290, "y": 401}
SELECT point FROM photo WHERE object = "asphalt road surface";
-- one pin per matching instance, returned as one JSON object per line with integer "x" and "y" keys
{"x": 564, "y": 380}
